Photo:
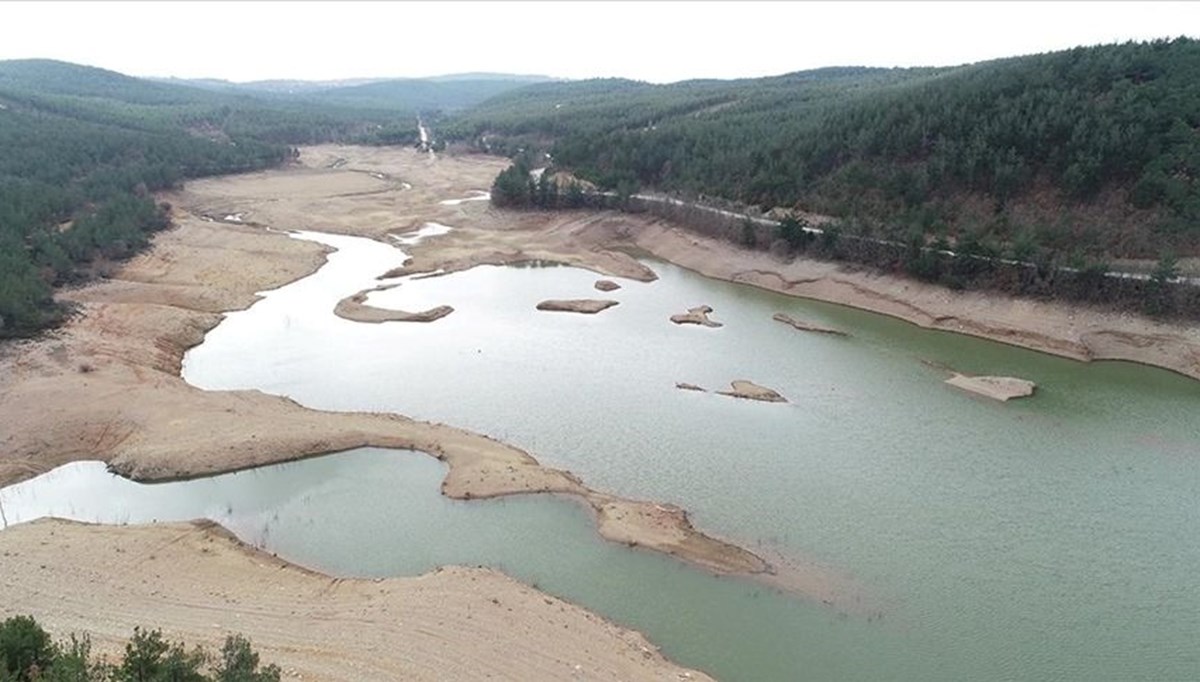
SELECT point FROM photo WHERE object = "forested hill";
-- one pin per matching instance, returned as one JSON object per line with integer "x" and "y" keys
{"x": 48, "y": 78}
{"x": 81, "y": 150}
{"x": 445, "y": 95}
{"x": 1092, "y": 152}
{"x": 590, "y": 109}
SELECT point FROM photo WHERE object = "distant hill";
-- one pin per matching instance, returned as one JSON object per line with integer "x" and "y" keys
{"x": 490, "y": 76}
{"x": 438, "y": 93}
{"x": 267, "y": 86}
{"x": 49, "y": 77}
{"x": 1091, "y": 153}
{"x": 592, "y": 112}
{"x": 444, "y": 93}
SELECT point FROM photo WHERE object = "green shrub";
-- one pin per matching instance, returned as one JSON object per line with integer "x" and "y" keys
{"x": 25, "y": 648}
{"x": 239, "y": 663}
{"x": 28, "y": 654}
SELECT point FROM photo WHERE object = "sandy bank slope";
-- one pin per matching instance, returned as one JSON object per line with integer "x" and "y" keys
{"x": 452, "y": 624}
{"x": 1074, "y": 332}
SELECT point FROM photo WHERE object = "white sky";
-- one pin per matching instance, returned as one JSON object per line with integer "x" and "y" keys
{"x": 659, "y": 42}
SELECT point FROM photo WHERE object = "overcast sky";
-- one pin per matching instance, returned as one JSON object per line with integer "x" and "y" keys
{"x": 657, "y": 42}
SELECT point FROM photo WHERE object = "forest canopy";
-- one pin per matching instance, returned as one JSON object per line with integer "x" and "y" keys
{"x": 1094, "y": 150}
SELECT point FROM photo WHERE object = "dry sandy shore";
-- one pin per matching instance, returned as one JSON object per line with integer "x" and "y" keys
{"x": 107, "y": 385}
{"x": 452, "y": 624}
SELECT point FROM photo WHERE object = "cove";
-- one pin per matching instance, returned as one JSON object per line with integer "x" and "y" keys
{"x": 372, "y": 512}
{"x": 1051, "y": 538}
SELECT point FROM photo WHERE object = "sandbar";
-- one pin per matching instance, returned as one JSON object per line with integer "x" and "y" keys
{"x": 996, "y": 388}
{"x": 587, "y": 306}
{"x": 356, "y": 309}
{"x": 698, "y": 315}
{"x": 806, "y": 326}
{"x": 752, "y": 391}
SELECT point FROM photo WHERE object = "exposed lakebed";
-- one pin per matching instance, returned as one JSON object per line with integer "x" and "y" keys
{"x": 1046, "y": 539}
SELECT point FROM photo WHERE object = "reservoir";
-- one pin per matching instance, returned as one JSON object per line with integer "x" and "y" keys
{"x": 1048, "y": 538}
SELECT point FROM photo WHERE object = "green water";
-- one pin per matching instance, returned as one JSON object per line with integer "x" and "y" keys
{"x": 1047, "y": 539}
{"x": 373, "y": 512}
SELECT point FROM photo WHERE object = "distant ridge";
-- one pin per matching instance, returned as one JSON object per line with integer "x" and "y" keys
{"x": 297, "y": 86}
{"x": 273, "y": 85}
{"x": 53, "y": 77}
{"x": 488, "y": 76}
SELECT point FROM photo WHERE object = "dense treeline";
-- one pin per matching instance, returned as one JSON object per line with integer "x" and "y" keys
{"x": 515, "y": 187}
{"x": 28, "y": 654}
{"x": 589, "y": 111}
{"x": 73, "y": 194}
{"x": 82, "y": 150}
{"x": 969, "y": 264}
{"x": 1092, "y": 153}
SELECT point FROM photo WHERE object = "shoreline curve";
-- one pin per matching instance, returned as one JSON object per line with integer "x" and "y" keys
{"x": 452, "y": 622}
{"x": 133, "y": 334}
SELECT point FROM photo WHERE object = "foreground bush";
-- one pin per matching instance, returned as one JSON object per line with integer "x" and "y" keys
{"x": 27, "y": 654}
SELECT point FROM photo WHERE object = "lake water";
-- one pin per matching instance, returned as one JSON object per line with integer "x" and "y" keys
{"x": 1046, "y": 539}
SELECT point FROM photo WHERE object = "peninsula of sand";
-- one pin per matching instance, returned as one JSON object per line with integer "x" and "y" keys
{"x": 107, "y": 387}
